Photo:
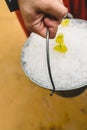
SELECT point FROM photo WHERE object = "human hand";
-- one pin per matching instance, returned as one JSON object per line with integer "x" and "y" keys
{"x": 39, "y": 15}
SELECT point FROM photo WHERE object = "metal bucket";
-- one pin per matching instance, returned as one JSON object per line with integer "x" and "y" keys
{"x": 75, "y": 90}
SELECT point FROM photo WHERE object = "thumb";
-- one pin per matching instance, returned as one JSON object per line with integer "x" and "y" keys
{"x": 55, "y": 9}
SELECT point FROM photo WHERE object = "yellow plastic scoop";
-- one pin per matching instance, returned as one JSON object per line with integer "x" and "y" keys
{"x": 65, "y": 22}
{"x": 60, "y": 38}
{"x": 60, "y": 47}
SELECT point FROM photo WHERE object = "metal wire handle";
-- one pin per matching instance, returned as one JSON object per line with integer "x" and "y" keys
{"x": 48, "y": 62}
{"x": 48, "y": 55}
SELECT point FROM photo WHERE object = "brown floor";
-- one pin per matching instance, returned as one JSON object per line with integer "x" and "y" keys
{"x": 23, "y": 105}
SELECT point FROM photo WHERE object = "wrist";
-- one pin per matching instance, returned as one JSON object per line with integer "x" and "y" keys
{"x": 12, "y": 5}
